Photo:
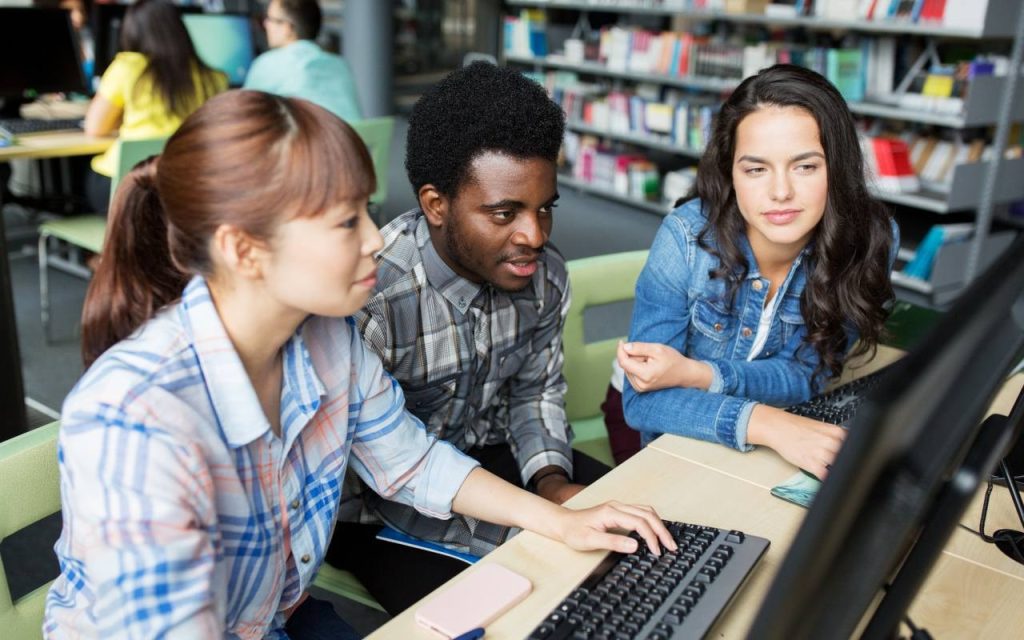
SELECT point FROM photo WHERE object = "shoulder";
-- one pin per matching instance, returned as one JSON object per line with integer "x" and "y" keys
{"x": 135, "y": 386}
{"x": 401, "y": 255}
{"x": 128, "y": 61}
{"x": 688, "y": 217}
{"x": 556, "y": 271}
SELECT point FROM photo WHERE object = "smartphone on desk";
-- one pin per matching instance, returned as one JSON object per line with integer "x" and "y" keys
{"x": 474, "y": 601}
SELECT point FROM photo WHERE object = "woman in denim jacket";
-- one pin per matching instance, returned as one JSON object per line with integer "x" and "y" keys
{"x": 755, "y": 290}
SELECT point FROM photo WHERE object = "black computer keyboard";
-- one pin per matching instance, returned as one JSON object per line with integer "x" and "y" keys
{"x": 10, "y": 127}
{"x": 639, "y": 595}
{"x": 839, "y": 405}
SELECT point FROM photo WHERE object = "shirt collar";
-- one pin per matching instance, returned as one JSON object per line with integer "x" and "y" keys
{"x": 755, "y": 272}
{"x": 234, "y": 400}
{"x": 457, "y": 290}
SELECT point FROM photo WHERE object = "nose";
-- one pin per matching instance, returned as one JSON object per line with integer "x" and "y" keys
{"x": 782, "y": 187}
{"x": 373, "y": 241}
{"x": 530, "y": 231}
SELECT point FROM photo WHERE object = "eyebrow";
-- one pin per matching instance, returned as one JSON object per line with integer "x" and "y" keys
{"x": 508, "y": 203}
{"x": 797, "y": 158}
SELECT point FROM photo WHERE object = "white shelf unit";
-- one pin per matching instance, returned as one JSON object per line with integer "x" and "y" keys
{"x": 980, "y": 108}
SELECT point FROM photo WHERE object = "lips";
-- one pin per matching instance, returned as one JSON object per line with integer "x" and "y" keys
{"x": 522, "y": 268}
{"x": 781, "y": 216}
{"x": 368, "y": 281}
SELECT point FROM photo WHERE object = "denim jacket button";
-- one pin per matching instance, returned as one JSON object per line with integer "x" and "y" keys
{"x": 746, "y": 332}
{"x": 718, "y": 327}
{"x": 758, "y": 285}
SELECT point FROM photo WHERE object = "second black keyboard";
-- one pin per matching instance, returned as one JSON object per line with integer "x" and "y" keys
{"x": 679, "y": 594}
{"x": 10, "y": 127}
{"x": 839, "y": 406}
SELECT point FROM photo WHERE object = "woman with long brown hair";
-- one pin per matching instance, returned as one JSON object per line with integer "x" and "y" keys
{"x": 761, "y": 284}
{"x": 203, "y": 452}
{"x": 151, "y": 85}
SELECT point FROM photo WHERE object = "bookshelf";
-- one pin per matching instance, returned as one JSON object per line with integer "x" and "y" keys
{"x": 966, "y": 184}
{"x": 999, "y": 22}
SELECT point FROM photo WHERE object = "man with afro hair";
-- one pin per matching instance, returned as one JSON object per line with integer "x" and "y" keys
{"x": 467, "y": 315}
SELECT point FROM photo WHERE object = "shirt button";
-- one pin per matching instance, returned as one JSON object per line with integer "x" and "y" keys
{"x": 758, "y": 285}
{"x": 295, "y": 503}
{"x": 305, "y": 558}
{"x": 746, "y": 332}
{"x": 718, "y": 327}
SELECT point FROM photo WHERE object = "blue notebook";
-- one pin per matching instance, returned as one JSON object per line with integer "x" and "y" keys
{"x": 387, "y": 534}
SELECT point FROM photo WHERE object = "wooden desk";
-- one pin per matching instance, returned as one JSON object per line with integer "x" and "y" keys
{"x": 973, "y": 590}
{"x": 56, "y": 144}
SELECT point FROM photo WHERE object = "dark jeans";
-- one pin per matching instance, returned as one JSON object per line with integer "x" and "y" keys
{"x": 317, "y": 620}
{"x": 624, "y": 440}
{"x": 399, "y": 576}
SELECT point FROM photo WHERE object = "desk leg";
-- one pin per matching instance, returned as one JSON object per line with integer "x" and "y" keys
{"x": 12, "y": 391}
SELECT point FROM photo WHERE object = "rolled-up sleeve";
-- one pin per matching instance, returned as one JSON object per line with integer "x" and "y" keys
{"x": 392, "y": 451}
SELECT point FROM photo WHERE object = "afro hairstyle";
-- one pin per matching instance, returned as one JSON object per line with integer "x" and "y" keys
{"x": 477, "y": 109}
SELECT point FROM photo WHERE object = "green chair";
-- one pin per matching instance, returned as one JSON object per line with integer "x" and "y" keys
{"x": 29, "y": 492}
{"x": 376, "y": 134}
{"x": 344, "y": 584}
{"x": 588, "y": 366}
{"x": 86, "y": 231}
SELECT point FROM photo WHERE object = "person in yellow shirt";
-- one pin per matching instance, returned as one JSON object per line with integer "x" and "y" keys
{"x": 150, "y": 87}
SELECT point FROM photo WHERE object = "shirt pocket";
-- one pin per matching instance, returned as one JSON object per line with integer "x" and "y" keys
{"x": 791, "y": 319}
{"x": 423, "y": 400}
{"x": 511, "y": 360}
{"x": 713, "y": 329}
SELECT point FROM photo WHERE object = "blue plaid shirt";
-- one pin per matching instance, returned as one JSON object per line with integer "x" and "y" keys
{"x": 184, "y": 515}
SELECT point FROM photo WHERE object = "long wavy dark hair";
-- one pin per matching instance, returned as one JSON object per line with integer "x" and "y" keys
{"x": 848, "y": 283}
{"x": 154, "y": 29}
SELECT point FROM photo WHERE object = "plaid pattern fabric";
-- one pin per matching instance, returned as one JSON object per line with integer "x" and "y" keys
{"x": 478, "y": 366}
{"x": 184, "y": 515}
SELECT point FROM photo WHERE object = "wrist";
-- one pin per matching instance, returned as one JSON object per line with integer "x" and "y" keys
{"x": 699, "y": 374}
{"x": 758, "y": 432}
{"x": 548, "y": 480}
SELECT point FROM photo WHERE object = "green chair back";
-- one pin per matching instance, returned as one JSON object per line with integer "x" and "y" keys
{"x": 376, "y": 134}
{"x": 595, "y": 281}
{"x": 29, "y": 491}
{"x": 130, "y": 153}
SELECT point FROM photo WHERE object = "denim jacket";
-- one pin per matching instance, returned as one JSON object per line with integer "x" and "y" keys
{"x": 680, "y": 305}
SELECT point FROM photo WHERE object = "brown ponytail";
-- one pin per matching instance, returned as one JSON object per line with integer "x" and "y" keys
{"x": 136, "y": 275}
{"x": 245, "y": 158}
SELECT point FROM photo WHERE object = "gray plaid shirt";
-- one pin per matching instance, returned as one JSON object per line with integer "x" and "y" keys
{"x": 478, "y": 366}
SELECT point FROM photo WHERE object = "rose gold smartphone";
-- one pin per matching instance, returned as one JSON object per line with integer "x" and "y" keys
{"x": 477, "y": 599}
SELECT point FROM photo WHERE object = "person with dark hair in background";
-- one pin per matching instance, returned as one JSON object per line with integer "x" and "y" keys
{"x": 468, "y": 314}
{"x": 149, "y": 87}
{"x": 761, "y": 286}
{"x": 296, "y": 66}
{"x": 202, "y": 455}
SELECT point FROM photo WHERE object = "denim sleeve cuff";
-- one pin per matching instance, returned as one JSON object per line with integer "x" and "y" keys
{"x": 726, "y": 379}
{"x": 716, "y": 377}
{"x": 732, "y": 413}
{"x": 446, "y": 470}
{"x": 742, "y": 422}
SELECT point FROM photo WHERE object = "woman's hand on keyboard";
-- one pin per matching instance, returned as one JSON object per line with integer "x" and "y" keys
{"x": 808, "y": 444}
{"x": 587, "y": 529}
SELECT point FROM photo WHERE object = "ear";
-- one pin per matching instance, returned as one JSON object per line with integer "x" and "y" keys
{"x": 434, "y": 204}
{"x": 239, "y": 252}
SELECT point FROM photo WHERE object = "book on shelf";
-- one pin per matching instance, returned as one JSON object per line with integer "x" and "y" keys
{"x": 891, "y": 162}
{"x": 526, "y": 33}
{"x": 920, "y": 266}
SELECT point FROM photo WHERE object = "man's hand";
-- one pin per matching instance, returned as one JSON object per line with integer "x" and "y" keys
{"x": 555, "y": 487}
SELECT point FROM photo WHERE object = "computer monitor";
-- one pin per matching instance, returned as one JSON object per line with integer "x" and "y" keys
{"x": 223, "y": 41}
{"x": 35, "y": 63}
{"x": 912, "y": 461}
